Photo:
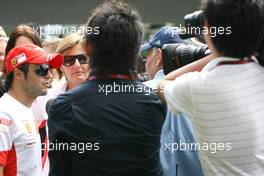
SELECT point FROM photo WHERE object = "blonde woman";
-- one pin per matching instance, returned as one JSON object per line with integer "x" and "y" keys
{"x": 75, "y": 69}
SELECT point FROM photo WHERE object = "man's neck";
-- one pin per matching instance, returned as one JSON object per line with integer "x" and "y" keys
{"x": 215, "y": 54}
{"x": 22, "y": 97}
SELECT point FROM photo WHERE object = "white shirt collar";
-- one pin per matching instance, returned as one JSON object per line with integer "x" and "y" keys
{"x": 159, "y": 75}
{"x": 213, "y": 63}
{"x": 15, "y": 102}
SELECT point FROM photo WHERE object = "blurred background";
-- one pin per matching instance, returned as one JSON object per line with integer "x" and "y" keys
{"x": 53, "y": 16}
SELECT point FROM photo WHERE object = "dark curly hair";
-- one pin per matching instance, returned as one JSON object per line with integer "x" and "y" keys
{"x": 116, "y": 46}
{"x": 246, "y": 19}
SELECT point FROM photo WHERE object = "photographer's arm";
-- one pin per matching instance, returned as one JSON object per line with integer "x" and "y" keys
{"x": 195, "y": 66}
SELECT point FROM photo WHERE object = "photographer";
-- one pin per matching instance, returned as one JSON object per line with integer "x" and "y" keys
{"x": 180, "y": 160}
{"x": 225, "y": 100}
{"x": 152, "y": 53}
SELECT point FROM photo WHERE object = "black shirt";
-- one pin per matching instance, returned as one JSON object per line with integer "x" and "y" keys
{"x": 121, "y": 129}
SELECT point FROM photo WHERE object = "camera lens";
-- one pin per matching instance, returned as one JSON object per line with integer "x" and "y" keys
{"x": 195, "y": 19}
{"x": 178, "y": 55}
{"x": 194, "y": 23}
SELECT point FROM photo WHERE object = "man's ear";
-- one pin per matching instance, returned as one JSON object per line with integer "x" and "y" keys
{"x": 209, "y": 41}
{"x": 88, "y": 48}
{"x": 159, "y": 57}
{"x": 18, "y": 75}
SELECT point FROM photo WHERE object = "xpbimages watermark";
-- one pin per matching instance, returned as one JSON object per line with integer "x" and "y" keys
{"x": 56, "y": 30}
{"x": 212, "y": 31}
{"x": 212, "y": 147}
{"x": 126, "y": 88}
{"x": 79, "y": 147}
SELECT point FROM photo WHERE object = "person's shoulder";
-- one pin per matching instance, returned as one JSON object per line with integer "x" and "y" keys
{"x": 68, "y": 97}
{"x": 6, "y": 122}
{"x": 6, "y": 104}
{"x": 86, "y": 89}
{"x": 58, "y": 107}
{"x": 5, "y": 116}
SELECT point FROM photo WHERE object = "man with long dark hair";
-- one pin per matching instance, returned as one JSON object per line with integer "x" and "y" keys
{"x": 118, "y": 118}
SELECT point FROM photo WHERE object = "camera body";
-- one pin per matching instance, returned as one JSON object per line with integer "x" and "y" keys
{"x": 177, "y": 55}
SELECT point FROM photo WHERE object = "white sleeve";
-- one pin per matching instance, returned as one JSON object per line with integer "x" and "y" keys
{"x": 178, "y": 94}
{"x": 6, "y": 136}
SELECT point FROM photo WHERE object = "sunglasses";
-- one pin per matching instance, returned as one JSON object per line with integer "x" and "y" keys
{"x": 70, "y": 60}
{"x": 42, "y": 70}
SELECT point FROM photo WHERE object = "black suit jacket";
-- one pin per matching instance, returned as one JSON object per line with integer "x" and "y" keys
{"x": 94, "y": 132}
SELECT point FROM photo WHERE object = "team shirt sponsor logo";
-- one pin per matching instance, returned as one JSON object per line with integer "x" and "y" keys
{"x": 30, "y": 140}
{"x": 5, "y": 125}
{"x": 28, "y": 128}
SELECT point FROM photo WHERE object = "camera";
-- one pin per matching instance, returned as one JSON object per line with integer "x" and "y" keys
{"x": 178, "y": 55}
{"x": 194, "y": 23}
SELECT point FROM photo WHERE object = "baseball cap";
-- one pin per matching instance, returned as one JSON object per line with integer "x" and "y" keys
{"x": 165, "y": 35}
{"x": 30, "y": 53}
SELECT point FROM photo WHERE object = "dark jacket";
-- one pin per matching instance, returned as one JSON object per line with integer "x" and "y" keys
{"x": 120, "y": 130}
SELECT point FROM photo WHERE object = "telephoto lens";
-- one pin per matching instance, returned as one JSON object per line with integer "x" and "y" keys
{"x": 178, "y": 55}
{"x": 195, "y": 19}
{"x": 194, "y": 23}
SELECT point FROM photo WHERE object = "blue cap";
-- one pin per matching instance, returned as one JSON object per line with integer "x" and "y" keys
{"x": 165, "y": 35}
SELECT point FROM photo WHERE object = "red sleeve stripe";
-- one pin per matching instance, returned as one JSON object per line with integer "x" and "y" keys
{"x": 3, "y": 157}
{"x": 44, "y": 158}
{"x": 10, "y": 168}
{"x": 43, "y": 124}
